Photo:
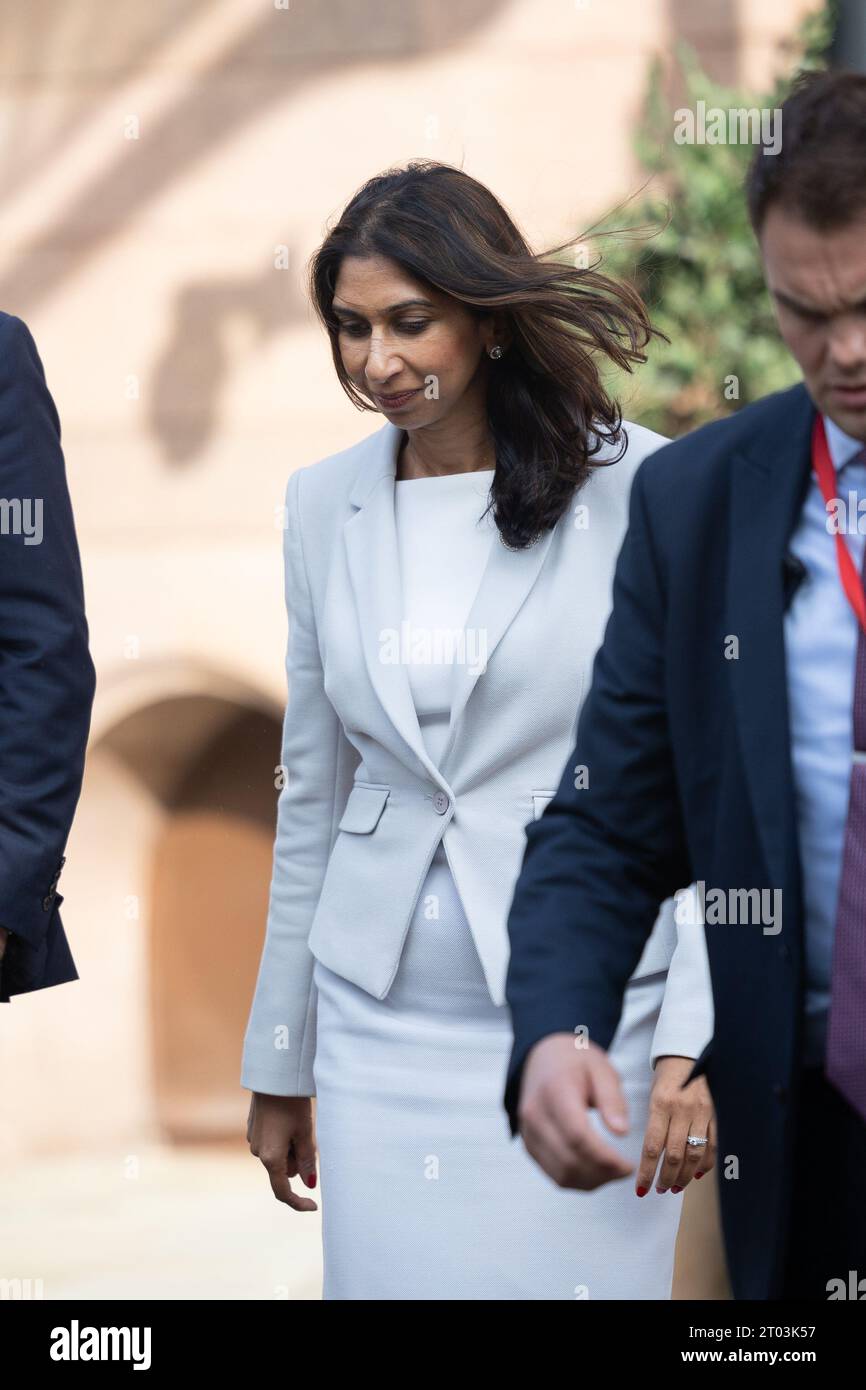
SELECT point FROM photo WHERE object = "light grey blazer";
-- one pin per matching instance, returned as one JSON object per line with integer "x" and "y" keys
{"x": 364, "y": 807}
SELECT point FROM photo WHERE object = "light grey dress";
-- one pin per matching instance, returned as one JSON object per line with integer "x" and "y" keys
{"x": 424, "y": 1193}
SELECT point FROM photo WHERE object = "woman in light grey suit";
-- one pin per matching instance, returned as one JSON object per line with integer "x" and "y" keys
{"x": 448, "y": 581}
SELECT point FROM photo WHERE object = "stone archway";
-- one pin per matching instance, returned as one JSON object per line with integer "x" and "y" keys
{"x": 196, "y": 883}
{"x": 211, "y": 868}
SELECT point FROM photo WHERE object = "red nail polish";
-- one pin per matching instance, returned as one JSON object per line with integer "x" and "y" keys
{"x": 699, "y": 1175}
{"x": 676, "y": 1189}
{"x": 310, "y": 1180}
{"x": 661, "y": 1189}
{"x": 642, "y": 1191}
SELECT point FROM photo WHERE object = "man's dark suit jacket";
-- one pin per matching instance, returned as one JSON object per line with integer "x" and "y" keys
{"x": 689, "y": 779}
{"x": 47, "y": 678}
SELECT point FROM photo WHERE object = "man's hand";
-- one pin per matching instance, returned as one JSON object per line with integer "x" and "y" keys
{"x": 560, "y": 1083}
{"x": 674, "y": 1114}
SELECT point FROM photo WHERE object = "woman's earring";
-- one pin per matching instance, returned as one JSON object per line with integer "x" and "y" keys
{"x": 496, "y": 352}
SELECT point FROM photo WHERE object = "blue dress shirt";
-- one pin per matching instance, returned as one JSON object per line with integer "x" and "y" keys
{"x": 820, "y": 648}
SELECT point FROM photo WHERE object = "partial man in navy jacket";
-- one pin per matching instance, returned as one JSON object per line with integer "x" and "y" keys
{"x": 724, "y": 743}
{"x": 47, "y": 678}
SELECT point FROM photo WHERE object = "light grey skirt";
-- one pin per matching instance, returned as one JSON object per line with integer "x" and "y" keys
{"x": 424, "y": 1193}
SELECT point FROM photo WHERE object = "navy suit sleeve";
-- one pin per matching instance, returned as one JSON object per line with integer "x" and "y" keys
{"x": 603, "y": 857}
{"x": 47, "y": 678}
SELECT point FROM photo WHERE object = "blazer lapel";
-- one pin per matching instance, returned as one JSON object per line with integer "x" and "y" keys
{"x": 769, "y": 482}
{"x": 506, "y": 580}
{"x": 374, "y": 568}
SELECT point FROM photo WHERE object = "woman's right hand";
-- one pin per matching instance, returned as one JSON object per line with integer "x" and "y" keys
{"x": 280, "y": 1134}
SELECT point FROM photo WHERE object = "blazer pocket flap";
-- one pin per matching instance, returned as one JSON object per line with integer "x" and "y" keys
{"x": 539, "y": 801}
{"x": 363, "y": 809}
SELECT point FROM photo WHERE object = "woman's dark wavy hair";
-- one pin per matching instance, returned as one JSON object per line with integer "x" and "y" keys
{"x": 548, "y": 409}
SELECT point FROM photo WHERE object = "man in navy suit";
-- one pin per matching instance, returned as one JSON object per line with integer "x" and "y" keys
{"x": 47, "y": 678}
{"x": 724, "y": 740}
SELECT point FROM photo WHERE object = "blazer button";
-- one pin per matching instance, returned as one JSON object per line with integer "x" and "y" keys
{"x": 441, "y": 802}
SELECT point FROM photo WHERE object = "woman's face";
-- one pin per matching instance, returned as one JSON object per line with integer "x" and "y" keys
{"x": 415, "y": 351}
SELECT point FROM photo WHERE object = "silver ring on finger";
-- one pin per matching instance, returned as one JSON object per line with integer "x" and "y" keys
{"x": 695, "y": 1143}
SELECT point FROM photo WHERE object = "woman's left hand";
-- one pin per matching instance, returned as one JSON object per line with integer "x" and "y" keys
{"x": 674, "y": 1114}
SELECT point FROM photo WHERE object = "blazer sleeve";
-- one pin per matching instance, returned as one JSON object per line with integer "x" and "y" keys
{"x": 603, "y": 858}
{"x": 280, "y": 1039}
{"x": 47, "y": 676}
{"x": 685, "y": 1021}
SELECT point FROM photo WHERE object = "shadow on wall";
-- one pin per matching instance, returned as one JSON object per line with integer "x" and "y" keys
{"x": 711, "y": 29}
{"x": 259, "y": 63}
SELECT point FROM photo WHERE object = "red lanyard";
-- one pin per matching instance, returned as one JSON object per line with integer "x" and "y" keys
{"x": 826, "y": 475}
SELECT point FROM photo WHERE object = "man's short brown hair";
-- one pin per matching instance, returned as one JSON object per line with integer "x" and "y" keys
{"x": 819, "y": 172}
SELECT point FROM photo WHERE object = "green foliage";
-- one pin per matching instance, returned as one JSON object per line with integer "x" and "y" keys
{"x": 700, "y": 274}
